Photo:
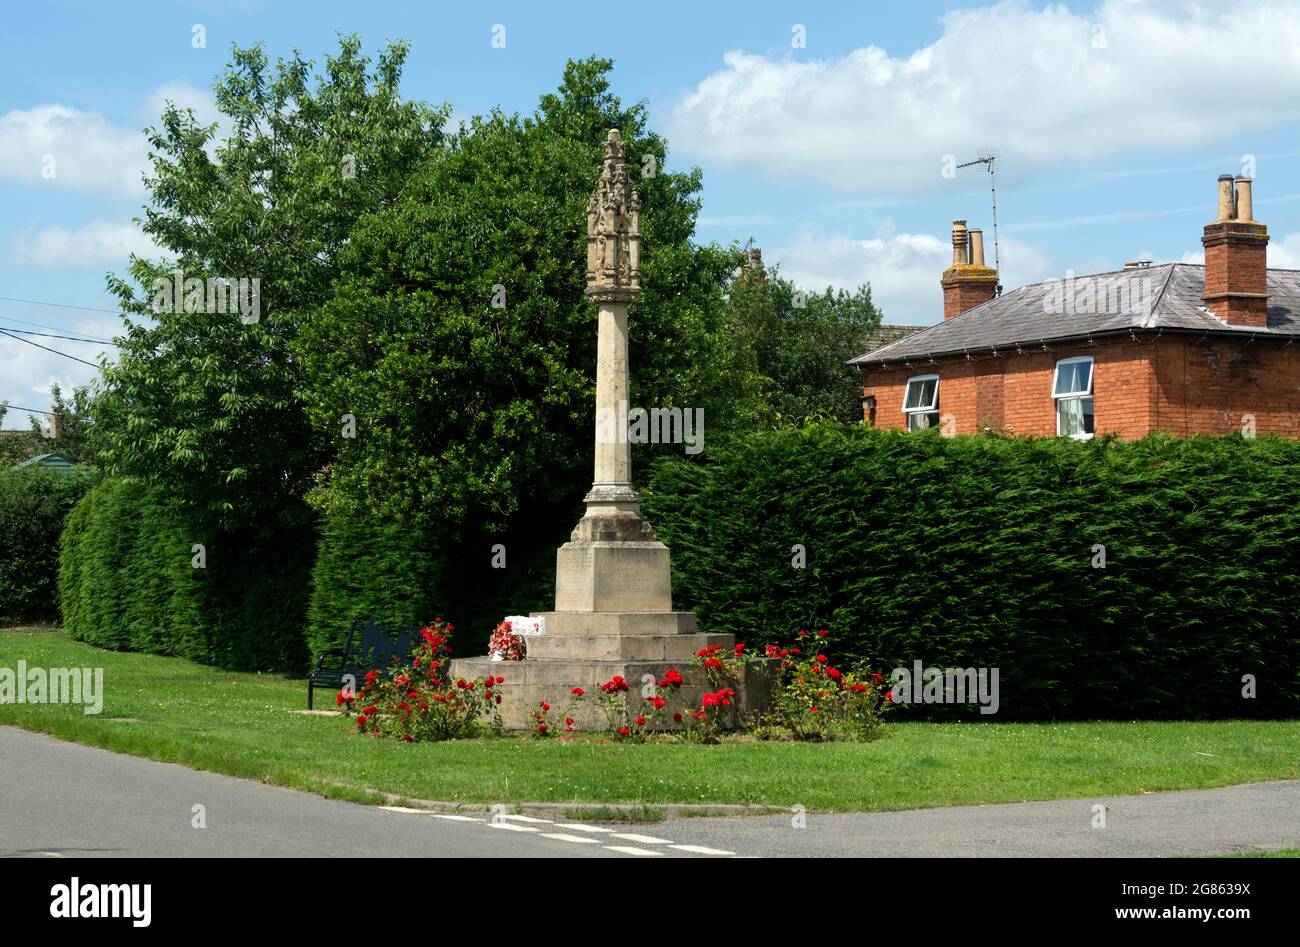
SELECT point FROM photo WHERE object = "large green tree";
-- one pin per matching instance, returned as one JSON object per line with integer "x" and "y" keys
{"x": 459, "y": 338}
{"x": 207, "y": 404}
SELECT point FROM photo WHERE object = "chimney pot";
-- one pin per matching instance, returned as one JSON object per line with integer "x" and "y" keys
{"x": 977, "y": 247}
{"x": 1226, "y": 197}
{"x": 1242, "y": 196}
{"x": 960, "y": 243}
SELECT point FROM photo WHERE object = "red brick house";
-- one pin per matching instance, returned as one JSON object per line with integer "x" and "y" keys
{"x": 1178, "y": 347}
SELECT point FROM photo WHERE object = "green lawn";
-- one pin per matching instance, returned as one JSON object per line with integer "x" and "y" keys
{"x": 245, "y": 725}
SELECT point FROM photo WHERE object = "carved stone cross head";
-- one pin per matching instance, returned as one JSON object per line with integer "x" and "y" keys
{"x": 614, "y": 230}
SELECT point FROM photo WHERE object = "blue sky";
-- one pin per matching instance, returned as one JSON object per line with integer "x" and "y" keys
{"x": 1111, "y": 121}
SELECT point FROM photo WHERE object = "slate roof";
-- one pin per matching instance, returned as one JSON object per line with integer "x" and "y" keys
{"x": 885, "y": 333}
{"x": 1171, "y": 301}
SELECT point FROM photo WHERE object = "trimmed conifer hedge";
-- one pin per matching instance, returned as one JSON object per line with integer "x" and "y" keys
{"x": 366, "y": 569}
{"x": 34, "y": 503}
{"x": 981, "y": 552}
{"x": 127, "y": 582}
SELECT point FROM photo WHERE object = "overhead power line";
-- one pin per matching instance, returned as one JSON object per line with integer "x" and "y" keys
{"x": 52, "y": 335}
{"x": 37, "y": 302}
{"x": 47, "y": 348}
{"x": 42, "y": 325}
{"x": 15, "y": 407}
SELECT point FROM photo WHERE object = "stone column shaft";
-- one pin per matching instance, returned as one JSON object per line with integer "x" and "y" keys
{"x": 613, "y": 452}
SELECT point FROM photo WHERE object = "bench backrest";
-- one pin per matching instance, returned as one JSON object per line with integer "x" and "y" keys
{"x": 378, "y": 646}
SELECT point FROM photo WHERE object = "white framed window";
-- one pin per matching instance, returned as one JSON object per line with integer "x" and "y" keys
{"x": 921, "y": 402}
{"x": 1072, "y": 391}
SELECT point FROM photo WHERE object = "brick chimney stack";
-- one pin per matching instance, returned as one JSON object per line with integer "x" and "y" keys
{"x": 969, "y": 281}
{"x": 1236, "y": 258}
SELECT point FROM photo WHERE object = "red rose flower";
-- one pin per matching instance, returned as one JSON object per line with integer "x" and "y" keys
{"x": 624, "y": 731}
{"x": 577, "y": 692}
{"x": 640, "y": 721}
{"x": 672, "y": 678}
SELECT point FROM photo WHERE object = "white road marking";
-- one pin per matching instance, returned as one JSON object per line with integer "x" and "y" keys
{"x": 500, "y": 822}
{"x": 642, "y": 839}
{"x": 53, "y": 855}
{"x": 700, "y": 850}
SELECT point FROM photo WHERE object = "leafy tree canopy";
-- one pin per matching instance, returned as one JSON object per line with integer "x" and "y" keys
{"x": 207, "y": 402}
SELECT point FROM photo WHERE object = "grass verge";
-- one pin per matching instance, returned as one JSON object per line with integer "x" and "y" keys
{"x": 247, "y": 725}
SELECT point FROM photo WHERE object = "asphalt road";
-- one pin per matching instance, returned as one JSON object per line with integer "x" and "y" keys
{"x": 64, "y": 800}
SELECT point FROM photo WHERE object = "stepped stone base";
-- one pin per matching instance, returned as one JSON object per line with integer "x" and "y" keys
{"x": 613, "y": 616}
{"x": 551, "y": 679}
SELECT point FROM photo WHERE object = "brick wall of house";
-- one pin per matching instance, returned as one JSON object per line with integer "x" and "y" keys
{"x": 1181, "y": 384}
{"x": 1208, "y": 386}
{"x": 1014, "y": 392}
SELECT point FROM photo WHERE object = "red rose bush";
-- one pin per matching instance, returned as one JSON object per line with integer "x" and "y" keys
{"x": 418, "y": 701}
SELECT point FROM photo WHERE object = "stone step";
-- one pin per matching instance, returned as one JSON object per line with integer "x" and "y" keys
{"x": 566, "y": 623}
{"x": 551, "y": 680}
{"x": 678, "y": 647}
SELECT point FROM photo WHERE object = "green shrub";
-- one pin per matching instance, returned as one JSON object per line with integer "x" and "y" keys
{"x": 127, "y": 581}
{"x": 979, "y": 552}
{"x": 34, "y": 503}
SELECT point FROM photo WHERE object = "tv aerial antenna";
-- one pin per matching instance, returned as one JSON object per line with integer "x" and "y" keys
{"x": 988, "y": 158}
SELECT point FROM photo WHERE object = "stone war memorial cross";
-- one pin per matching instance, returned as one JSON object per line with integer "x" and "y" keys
{"x": 613, "y": 593}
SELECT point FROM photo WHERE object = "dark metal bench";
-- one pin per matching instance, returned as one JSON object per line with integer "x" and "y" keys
{"x": 373, "y": 650}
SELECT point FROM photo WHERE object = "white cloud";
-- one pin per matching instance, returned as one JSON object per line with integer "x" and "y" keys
{"x": 99, "y": 242}
{"x": 61, "y": 145}
{"x": 903, "y": 269}
{"x": 55, "y": 144}
{"x": 1028, "y": 83}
